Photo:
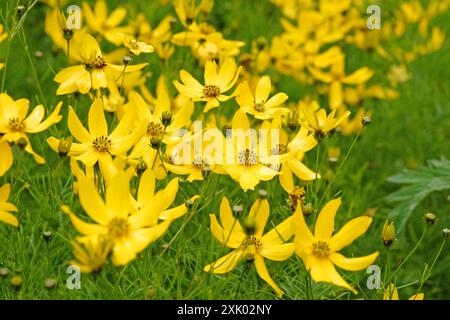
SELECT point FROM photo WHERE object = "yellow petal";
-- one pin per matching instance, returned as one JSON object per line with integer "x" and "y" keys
{"x": 91, "y": 201}
{"x": 419, "y": 296}
{"x": 224, "y": 264}
{"x": 282, "y": 233}
{"x": 228, "y": 238}
{"x": 276, "y": 100}
{"x": 259, "y": 213}
{"x": 323, "y": 270}
{"x": 97, "y": 122}
{"x": 6, "y": 160}
{"x": 353, "y": 264}
{"x": 264, "y": 274}
{"x": 325, "y": 221}
{"x": 118, "y": 195}
{"x": 262, "y": 90}
{"x": 8, "y": 218}
{"x": 81, "y": 226}
{"x": 336, "y": 96}
{"x": 359, "y": 76}
{"x": 303, "y": 236}
{"x": 210, "y": 72}
{"x": 5, "y": 190}
{"x": 229, "y": 222}
{"x": 349, "y": 232}
{"x": 77, "y": 129}
{"x": 278, "y": 252}
{"x": 146, "y": 191}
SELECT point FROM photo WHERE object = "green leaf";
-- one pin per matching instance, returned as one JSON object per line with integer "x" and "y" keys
{"x": 420, "y": 183}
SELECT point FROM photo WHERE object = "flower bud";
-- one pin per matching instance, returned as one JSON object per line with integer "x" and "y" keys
{"x": 47, "y": 235}
{"x": 189, "y": 203}
{"x": 155, "y": 143}
{"x": 366, "y": 121}
{"x": 262, "y": 194}
{"x": 295, "y": 196}
{"x": 237, "y": 211}
{"x": 64, "y": 147}
{"x": 21, "y": 11}
{"x": 22, "y": 143}
{"x": 4, "y": 272}
{"x": 445, "y": 233}
{"x": 50, "y": 283}
{"x": 249, "y": 226}
{"x": 68, "y": 34}
{"x": 308, "y": 209}
{"x": 16, "y": 281}
{"x": 141, "y": 167}
{"x": 388, "y": 233}
{"x": 166, "y": 118}
{"x": 430, "y": 218}
{"x": 126, "y": 60}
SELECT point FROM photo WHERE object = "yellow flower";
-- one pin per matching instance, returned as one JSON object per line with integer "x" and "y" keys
{"x": 337, "y": 77}
{"x": 94, "y": 72}
{"x": 15, "y": 124}
{"x": 258, "y": 104}
{"x": 6, "y": 160}
{"x": 143, "y": 31}
{"x": 317, "y": 121}
{"x": 249, "y": 243}
{"x": 91, "y": 253}
{"x": 216, "y": 83}
{"x": 129, "y": 233}
{"x": 319, "y": 251}
{"x": 108, "y": 26}
{"x": 135, "y": 46}
{"x": 391, "y": 293}
{"x": 97, "y": 144}
{"x": 6, "y": 208}
{"x": 248, "y": 166}
{"x": 388, "y": 233}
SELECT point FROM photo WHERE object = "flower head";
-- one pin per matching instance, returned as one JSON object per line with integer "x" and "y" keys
{"x": 217, "y": 83}
{"x": 249, "y": 242}
{"x": 320, "y": 250}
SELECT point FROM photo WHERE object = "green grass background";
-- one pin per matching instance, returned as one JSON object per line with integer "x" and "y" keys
{"x": 409, "y": 130}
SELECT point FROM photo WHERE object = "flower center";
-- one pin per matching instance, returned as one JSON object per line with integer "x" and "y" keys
{"x": 247, "y": 157}
{"x": 251, "y": 246}
{"x": 259, "y": 107}
{"x": 97, "y": 63}
{"x": 118, "y": 227}
{"x": 134, "y": 44}
{"x": 320, "y": 249}
{"x": 155, "y": 129}
{"x": 102, "y": 144}
{"x": 279, "y": 149}
{"x": 211, "y": 91}
{"x": 16, "y": 125}
{"x": 200, "y": 163}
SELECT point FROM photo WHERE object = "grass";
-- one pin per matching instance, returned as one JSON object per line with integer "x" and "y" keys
{"x": 404, "y": 132}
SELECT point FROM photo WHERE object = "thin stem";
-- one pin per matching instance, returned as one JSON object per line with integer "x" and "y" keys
{"x": 409, "y": 255}
{"x": 422, "y": 282}
{"x": 33, "y": 69}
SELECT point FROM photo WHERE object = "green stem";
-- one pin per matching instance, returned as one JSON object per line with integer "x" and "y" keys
{"x": 408, "y": 256}
{"x": 422, "y": 282}
{"x": 33, "y": 68}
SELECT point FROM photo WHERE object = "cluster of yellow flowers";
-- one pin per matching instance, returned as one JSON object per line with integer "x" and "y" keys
{"x": 133, "y": 133}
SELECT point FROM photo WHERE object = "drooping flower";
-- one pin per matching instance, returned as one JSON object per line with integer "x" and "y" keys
{"x": 249, "y": 242}
{"x": 391, "y": 293}
{"x": 217, "y": 83}
{"x": 115, "y": 218}
{"x": 320, "y": 251}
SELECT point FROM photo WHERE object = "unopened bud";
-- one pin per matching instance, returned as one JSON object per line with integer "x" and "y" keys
{"x": 430, "y": 218}
{"x": 47, "y": 235}
{"x": 22, "y": 143}
{"x": 50, "y": 284}
{"x": 141, "y": 167}
{"x": 249, "y": 226}
{"x": 366, "y": 121}
{"x": 189, "y": 203}
{"x": 308, "y": 209}
{"x": 445, "y": 233}
{"x": 155, "y": 143}
{"x": 16, "y": 281}
{"x": 21, "y": 11}
{"x": 4, "y": 272}
{"x": 64, "y": 147}
{"x": 237, "y": 211}
{"x": 388, "y": 233}
{"x": 262, "y": 194}
{"x": 166, "y": 118}
{"x": 127, "y": 60}
{"x": 68, "y": 34}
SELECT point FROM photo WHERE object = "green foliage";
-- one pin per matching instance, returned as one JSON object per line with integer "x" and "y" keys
{"x": 420, "y": 183}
